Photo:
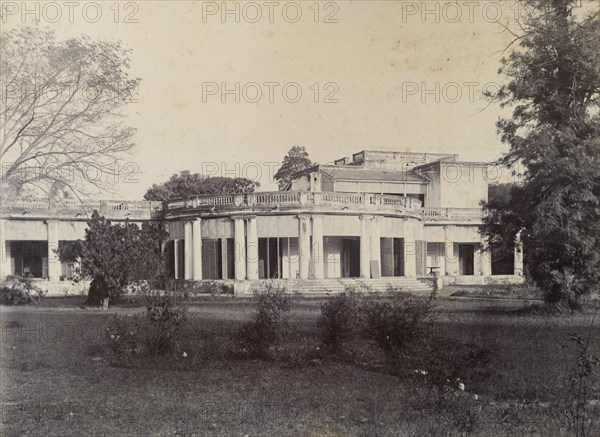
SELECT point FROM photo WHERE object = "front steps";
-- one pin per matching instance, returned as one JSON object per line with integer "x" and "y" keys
{"x": 322, "y": 287}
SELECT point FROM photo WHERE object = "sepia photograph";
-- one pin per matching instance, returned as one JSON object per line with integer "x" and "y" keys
{"x": 303, "y": 218}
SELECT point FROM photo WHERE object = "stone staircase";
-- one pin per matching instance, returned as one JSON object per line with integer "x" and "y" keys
{"x": 322, "y": 287}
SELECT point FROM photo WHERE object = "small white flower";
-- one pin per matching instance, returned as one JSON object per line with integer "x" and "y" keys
{"x": 461, "y": 387}
{"x": 184, "y": 354}
{"x": 112, "y": 336}
{"x": 476, "y": 397}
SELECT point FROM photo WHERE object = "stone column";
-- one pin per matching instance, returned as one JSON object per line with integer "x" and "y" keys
{"x": 304, "y": 245}
{"x": 197, "y": 249}
{"x": 486, "y": 259}
{"x": 188, "y": 255}
{"x": 450, "y": 257}
{"x": 4, "y": 258}
{"x": 410, "y": 250}
{"x": 239, "y": 247}
{"x": 176, "y": 258}
{"x": 365, "y": 246}
{"x": 317, "y": 246}
{"x": 518, "y": 263}
{"x": 53, "y": 261}
{"x": 251, "y": 248}
{"x": 376, "y": 242}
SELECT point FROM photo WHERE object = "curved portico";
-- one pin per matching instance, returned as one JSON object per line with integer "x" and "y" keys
{"x": 294, "y": 235}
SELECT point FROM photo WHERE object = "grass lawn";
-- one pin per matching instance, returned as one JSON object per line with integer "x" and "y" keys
{"x": 57, "y": 378}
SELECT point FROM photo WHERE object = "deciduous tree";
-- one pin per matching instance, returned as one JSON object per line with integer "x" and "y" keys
{"x": 61, "y": 129}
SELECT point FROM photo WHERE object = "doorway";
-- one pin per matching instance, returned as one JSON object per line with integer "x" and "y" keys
{"x": 466, "y": 259}
{"x": 350, "y": 257}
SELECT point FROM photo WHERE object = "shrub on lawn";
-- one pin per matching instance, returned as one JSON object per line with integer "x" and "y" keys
{"x": 398, "y": 321}
{"x": 403, "y": 327}
{"x": 124, "y": 339}
{"x": 165, "y": 318}
{"x": 152, "y": 333}
{"x": 269, "y": 324}
{"x": 339, "y": 320}
{"x": 16, "y": 290}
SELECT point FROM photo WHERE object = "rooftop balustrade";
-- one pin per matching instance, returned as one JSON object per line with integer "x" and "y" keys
{"x": 221, "y": 203}
{"x": 107, "y": 208}
{"x": 431, "y": 214}
{"x": 298, "y": 199}
{"x": 293, "y": 199}
{"x": 380, "y": 155}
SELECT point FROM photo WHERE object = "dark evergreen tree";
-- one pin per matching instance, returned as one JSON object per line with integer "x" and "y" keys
{"x": 296, "y": 160}
{"x": 186, "y": 184}
{"x": 553, "y": 90}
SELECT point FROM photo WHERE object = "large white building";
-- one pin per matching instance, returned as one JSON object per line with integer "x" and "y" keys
{"x": 380, "y": 216}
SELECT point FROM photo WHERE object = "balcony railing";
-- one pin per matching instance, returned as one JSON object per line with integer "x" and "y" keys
{"x": 291, "y": 199}
{"x": 341, "y": 198}
{"x": 108, "y": 208}
{"x": 452, "y": 213}
{"x": 294, "y": 199}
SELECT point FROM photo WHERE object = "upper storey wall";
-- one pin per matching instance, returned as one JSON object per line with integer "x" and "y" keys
{"x": 457, "y": 184}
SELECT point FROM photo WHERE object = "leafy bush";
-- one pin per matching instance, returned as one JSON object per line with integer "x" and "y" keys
{"x": 165, "y": 319}
{"x": 15, "y": 290}
{"x": 124, "y": 338}
{"x": 115, "y": 255}
{"x": 339, "y": 320}
{"x": 151, "y": 333}
{"x": 270, "y": 322}
{"x": 396, "y": 322}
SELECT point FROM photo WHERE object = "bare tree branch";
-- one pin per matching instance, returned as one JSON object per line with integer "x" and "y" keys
{"x": 60, "y": 112}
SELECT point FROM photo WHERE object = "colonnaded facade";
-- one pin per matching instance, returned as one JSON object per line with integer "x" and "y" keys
{"x": 384, "y": 217}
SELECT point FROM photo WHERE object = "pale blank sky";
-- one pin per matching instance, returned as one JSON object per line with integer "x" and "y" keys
{"x": 381, "y": 57}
